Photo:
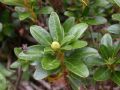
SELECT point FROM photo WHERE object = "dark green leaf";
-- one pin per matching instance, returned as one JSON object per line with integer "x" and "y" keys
{"x": 50, "y": 63}
{"x": 102, "y": 74}
{"x": 77, "y": 67}
{"x": 106, "y": 52}
{"x": 46, "y": 10}
{"x": 68, "y": 24}
{"x": 116, "y": 77}
{"x": 96, "y": 20}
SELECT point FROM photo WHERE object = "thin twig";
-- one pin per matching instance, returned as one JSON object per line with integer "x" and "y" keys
{"x": 19, "y": 78}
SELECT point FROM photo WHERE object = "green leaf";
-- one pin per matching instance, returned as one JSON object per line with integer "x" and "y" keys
{"x": 56, "y": 30}
{"x": 25, "y": 67}
{"x": 77, "y": 67}
{"x": 86, "y": 52}
{"x": 5, "y": 71}
{"x": 15, "y": 64}
{"x": 41, "y": 35}
{"x": 101, "y": 3}
{"x": 34, "y": 52}
{"x": 69, "y": 14}
{"x": 102, "y": 74}
{"x": 13, "y": 2}
{"x": 116, "y": 16}
{"x": 1, "y": 27}
{"x": 68, "y": 24}
{"x": 50, "y": 63}
{"x": 115, "y": 29}
{"x": 67, "y": 47}
{"x": 22, "y": 12}
{"x": 67, "y": 39}
{"x": 40, "y": 73}
{"x": 116, "y": 47}
{"x": 116, "y": 77}
{"x": 93, "y": 61}
{"x": 46, "y": 10}
{"x": 3, "y": 82}
{"x": 106, "y": 52}
{"x": 89, "y": 55}
{"x": 117, "y": 2}
{"x": 75, "y": 83}
{"x": 96, "y": 20}
{"x": 78, "y": 30}
{"x": 79, "y": 44}
{"x": 106, "y": 40}
{"x": 48, "y": 50}
{"x": 17, "y": 51}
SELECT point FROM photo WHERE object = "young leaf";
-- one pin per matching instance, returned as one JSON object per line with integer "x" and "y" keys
{"x": 56, "y": 30}
{"x": 78, "y": 30}
{"x": 102, "y": 74}
{"x": 106, "y": 40}
{"x": 79, "y": 44}
{"x": 48, "y": 50}
{"x": 66, "y": 47}
{"x": 68, "y": 24}
{"x": 77, "y": 67}
{"x": 41, "y": 35}
{"x": 116, "y": 77}
{"x": 67, "y": 39}
{"x": 50, "y": 63}
{"x": 40, "y": 73}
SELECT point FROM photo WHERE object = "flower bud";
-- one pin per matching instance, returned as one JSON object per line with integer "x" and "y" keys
{"x": 55, "y": 45}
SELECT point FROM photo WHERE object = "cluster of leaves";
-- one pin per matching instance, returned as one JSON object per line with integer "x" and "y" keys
{"x": 60, "y": 51}
{"x": 50, "y": 54}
